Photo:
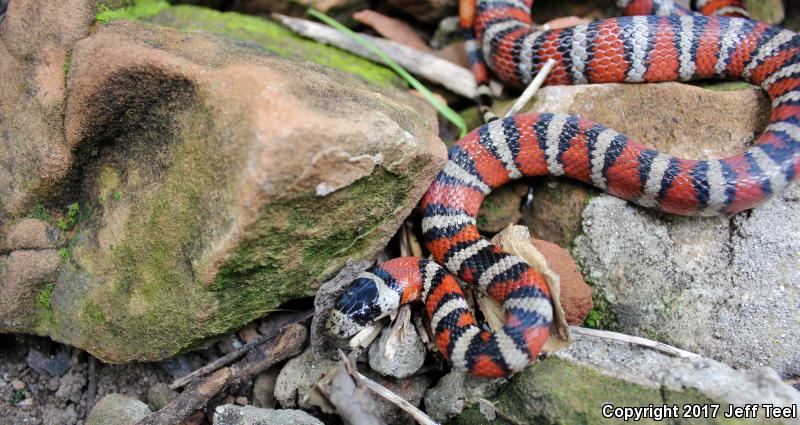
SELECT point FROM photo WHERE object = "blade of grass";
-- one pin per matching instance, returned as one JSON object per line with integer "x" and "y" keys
{"x": 443, "y": 109}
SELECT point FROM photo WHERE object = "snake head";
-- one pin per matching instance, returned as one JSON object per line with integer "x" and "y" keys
{"x": 355, "y": 308}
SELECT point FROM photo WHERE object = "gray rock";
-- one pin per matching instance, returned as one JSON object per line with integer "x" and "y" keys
{"x": 573, "y": 385}
{"x": 70, "y": 386}
{"x": 727, "y": 288}
{"x": 230, "y": 414}
{"x": 159, "y": 395}
{"x": 410, "y": 389}
{"x": 407, "y": 359}
{"x": 117, "y": 409}
{"x": 653, "y": 369}
{"x": 297, "y": 377}
{"x": 454, "y": 392}
{"x": 264, "y": 388}
{"x": 55, "y": 365}
{"x": 57, "y": 416}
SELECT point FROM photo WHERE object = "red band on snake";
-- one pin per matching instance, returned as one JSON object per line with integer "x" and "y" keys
{"x": 680, "y": 46}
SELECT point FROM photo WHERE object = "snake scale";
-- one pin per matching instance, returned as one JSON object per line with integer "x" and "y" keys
{"x": 660, "y": 42}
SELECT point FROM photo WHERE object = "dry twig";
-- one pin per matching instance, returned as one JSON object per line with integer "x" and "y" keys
{"x": 352, "y": 402}
{"x": 398, "y": 401}
{"x": 457, "y": 79}
{"x": 532, "y": 89}
{"x": 655, "y": 345}
{"x": 289, "y": 343}
{"x": 275, "y": 327}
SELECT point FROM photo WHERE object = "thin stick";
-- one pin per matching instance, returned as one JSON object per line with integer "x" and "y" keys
{"x": 288, "y": 344}
{"x": 398, "y": 401}
{"x": 655, "y": 345}
{"x": 457, "y": 79}
{"x": 233, "y": 356}
{"x": 531, "y": 90}
{"x": 91, "y": 391}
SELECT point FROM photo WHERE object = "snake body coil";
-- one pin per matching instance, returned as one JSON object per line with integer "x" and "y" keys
{"x": 680, "y": 46}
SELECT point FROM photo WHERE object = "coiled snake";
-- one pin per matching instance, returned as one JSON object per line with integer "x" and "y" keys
{"x": 662, "y": 43}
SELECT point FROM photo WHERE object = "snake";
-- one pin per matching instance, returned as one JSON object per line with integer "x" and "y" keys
{"x": 658, "y": 41}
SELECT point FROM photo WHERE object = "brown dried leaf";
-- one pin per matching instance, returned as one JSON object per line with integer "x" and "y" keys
{"x": 391, "y": 28}
{"x": 517, "y": 240}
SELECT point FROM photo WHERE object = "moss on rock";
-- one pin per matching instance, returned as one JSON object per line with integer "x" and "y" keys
{"x": 555, "y": 391}
{"x": 253, "y": 30}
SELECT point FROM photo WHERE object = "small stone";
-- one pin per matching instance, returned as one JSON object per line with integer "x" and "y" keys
{"x": 55, "y": 365}
{"x": 71, "y": 387}
{"x": 181, "y": 365}
{"x": 453, "y": 393}
{"x": 407, "y": 359}
{"x": 501, "y": 208}
{"x": 159, "y": 395}
{"x": 297, "y": 377}
{"x": 17, "y": 385}
{"x": 57, "y": 416}
{"x": 576, "y": 295}
{"x": 52, "y": 383}
{"x": 241, "y": 401}
{"x": 197, "y": 418}
{"x": 264, "y": 388}
{"x": 410, "y": 389}
{"x": 249, "y": 333}
{"x": 229, "y": 344}
{"x": 117, "y": 409}
{"x": 249, "y": 415}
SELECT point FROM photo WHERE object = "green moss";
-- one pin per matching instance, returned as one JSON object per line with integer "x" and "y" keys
{"x": 44, "y": 296}
{"x": 131, "y": 10}
{"x": 292, "y": 242}
{"x": 266, "y": 34}
{"x": 555, "y": 391}
{"x": 73, "y": 215}
{"x": 274, "y": 38}
{"x": 45, "y": 315}
{"x": 602, "y": 314}
{"x": 723, "y": 85}
{"x": 17, "y": 397}
{"x": 67, "y": 64}
{"x": 41, "y": 213}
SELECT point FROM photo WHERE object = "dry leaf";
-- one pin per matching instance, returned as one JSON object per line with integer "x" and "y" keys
{"x": 391, "y": 28}
{"x": 516, "y": 240}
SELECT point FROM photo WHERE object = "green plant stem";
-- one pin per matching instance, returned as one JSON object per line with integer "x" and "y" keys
{"x": 443, "y": 109}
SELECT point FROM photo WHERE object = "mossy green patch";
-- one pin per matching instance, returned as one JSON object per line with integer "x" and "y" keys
{"x": 45, "y": 315}
{"x": 602, "y": 315}
{"x": 723, "y": 85}
{"x": 251, "y": 29}
{"x": 130, "y": 10}
{"x": 41, "y": 213}
{"x": 555, "y": 391}
{"x": 292, "y": 241}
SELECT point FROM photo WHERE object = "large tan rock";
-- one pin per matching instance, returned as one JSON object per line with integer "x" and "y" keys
{"x": 35, "y": 39}
{"x": 222, "y": 181}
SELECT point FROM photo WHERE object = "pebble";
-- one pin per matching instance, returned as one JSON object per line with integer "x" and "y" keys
{"x": 17, "y": 385}
{"x": 249, "y": 333}
{"x": 241, "y": 401}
